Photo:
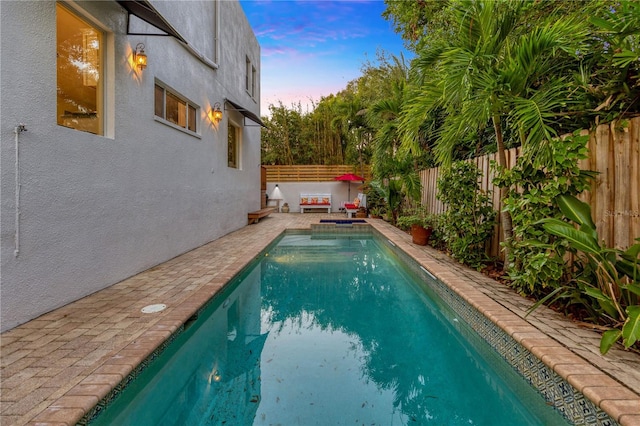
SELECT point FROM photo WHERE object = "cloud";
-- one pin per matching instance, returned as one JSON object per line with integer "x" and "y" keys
{"x": 278, "y": 51}
{"x": 307, "y": 23}
{"x": 312, "y": 48}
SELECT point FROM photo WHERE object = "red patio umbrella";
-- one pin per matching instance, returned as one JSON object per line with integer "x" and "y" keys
{"x": 349, "y": 177}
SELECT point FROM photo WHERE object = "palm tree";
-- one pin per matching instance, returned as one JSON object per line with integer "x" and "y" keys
{"x": 394, "y": 170}
{"x": 495, "y": 68}
{"x": 383, "y": 115}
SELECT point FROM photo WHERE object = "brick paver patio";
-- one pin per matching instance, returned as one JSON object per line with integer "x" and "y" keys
{"x": 55, "y": 368}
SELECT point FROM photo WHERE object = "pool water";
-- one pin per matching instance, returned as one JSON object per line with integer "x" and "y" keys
{"x": 328, "y": 331}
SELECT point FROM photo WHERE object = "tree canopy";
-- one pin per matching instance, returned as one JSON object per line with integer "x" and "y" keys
{"x": 483, "y": 75}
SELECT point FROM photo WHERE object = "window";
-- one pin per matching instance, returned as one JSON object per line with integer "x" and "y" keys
{"x": 233, "y": 146}
{"x": 250, "y": 79}
{"x": 254, "y": 81}
{"x": 79, "y": 71}
{"x": 247, "y": 76}
{"x": 175, "y": 109}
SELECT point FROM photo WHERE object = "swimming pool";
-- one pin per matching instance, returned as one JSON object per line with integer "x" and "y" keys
{"x": 295, "y": 341}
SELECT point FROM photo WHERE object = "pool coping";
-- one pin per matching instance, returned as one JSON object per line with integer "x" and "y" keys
{"x": 73, "y": 399}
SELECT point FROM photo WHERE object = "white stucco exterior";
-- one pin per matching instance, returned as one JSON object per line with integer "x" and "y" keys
{"x": 88, "y": 211}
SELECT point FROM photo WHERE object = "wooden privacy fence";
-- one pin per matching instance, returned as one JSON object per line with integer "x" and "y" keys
{"x": 614, "y": 152}
{"x": 318, "y": 173}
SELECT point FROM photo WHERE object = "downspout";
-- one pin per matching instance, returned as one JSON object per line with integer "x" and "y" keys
{"x": 213, "y": 64}
{"x": 216, "y": 54}
{"x": 17, "y": 130}
{"x": 208, "y": 62}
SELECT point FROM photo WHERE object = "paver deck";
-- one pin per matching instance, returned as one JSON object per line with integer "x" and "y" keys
{"x": 55, "y": 368}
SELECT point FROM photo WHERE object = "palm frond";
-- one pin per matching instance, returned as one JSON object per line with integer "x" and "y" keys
{"x": 536, "y": 114}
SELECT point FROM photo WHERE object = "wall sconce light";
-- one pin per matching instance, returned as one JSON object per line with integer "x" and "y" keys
{"x": 139, "y": 57}
{"x": 276, "y": 194}
{"x": 216, "y": 113}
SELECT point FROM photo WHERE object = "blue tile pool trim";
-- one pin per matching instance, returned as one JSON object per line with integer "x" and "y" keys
{"x": 115, "y": 392}
{"x": 570, "y": 402}
{"x": 341, "y": 227}
{"x": 343, "y": 221}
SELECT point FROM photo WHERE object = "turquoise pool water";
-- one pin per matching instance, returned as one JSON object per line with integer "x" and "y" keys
{"x": 329, "y": 330}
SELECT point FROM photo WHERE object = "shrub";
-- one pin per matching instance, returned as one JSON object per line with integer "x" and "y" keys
{"x": 469, "y": 220}
{"x": 533, "y": 189}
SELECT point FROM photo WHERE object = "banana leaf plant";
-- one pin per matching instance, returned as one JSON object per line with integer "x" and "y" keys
{"x": 610, "y": 277}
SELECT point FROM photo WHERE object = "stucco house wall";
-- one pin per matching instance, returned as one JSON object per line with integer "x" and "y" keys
{"x": 87, "y": 211}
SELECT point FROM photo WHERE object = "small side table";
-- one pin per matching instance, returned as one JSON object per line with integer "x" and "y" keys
{"x": 277, "y": 200}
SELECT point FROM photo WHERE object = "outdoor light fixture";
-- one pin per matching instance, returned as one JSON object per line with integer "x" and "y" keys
{"x": 276, "y": 194}
{"x": 216, "y": 113}
{"x": 139, "y": 57}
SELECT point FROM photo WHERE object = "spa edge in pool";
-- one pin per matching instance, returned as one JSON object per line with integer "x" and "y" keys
{"x": 332, "y": 329}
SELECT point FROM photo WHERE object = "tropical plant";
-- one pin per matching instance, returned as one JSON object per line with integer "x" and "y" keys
{"x": 613, "y": 80}
{"x": 377, "y": 212}
{"x": 375, "y": 199}
{"x": 350, "y": 123}
{"x": 532, "y": 194}
{"x": 495, "y": 69}
{"x": 416, "y": 216}
{"x": 470, "y": 218}
{"x": 383, "y": 115}
{"x": 404, "y": 183}
{"x": 608, "y": 279}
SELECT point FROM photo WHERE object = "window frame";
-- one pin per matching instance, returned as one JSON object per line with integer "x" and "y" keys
{"x": 103, "y": 109}
{"x": 250, "y": 78}
{"x": 247, "y": 74}
{"x": 254, "y": 81}
{"x": 191, "y": 109}
{"x": 238, "y": 145}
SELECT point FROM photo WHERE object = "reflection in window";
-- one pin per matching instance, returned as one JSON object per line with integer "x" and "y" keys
{"x": 174, "y": 109}
{"x": 233, "y": 144}
{"x": 79, "y": 73}
{"x": 159, "y": 101}
{"x": 192, "y": 118}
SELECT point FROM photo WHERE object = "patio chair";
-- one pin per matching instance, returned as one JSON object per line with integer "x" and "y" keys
{"x": 359, "y": 201}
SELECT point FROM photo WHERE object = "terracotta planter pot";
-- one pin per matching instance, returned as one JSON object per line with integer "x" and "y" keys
{"x": 420, "y": 235}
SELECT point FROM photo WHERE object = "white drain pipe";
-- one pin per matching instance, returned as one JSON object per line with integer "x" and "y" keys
{"x": 18, "y": 129}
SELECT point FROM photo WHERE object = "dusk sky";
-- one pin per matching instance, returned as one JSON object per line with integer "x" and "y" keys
{"x": 313, "y": 48}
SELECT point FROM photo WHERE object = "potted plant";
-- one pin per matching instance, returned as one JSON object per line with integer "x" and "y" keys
{"x": 420, "y": 223}
{"x": 285, "y": 208}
